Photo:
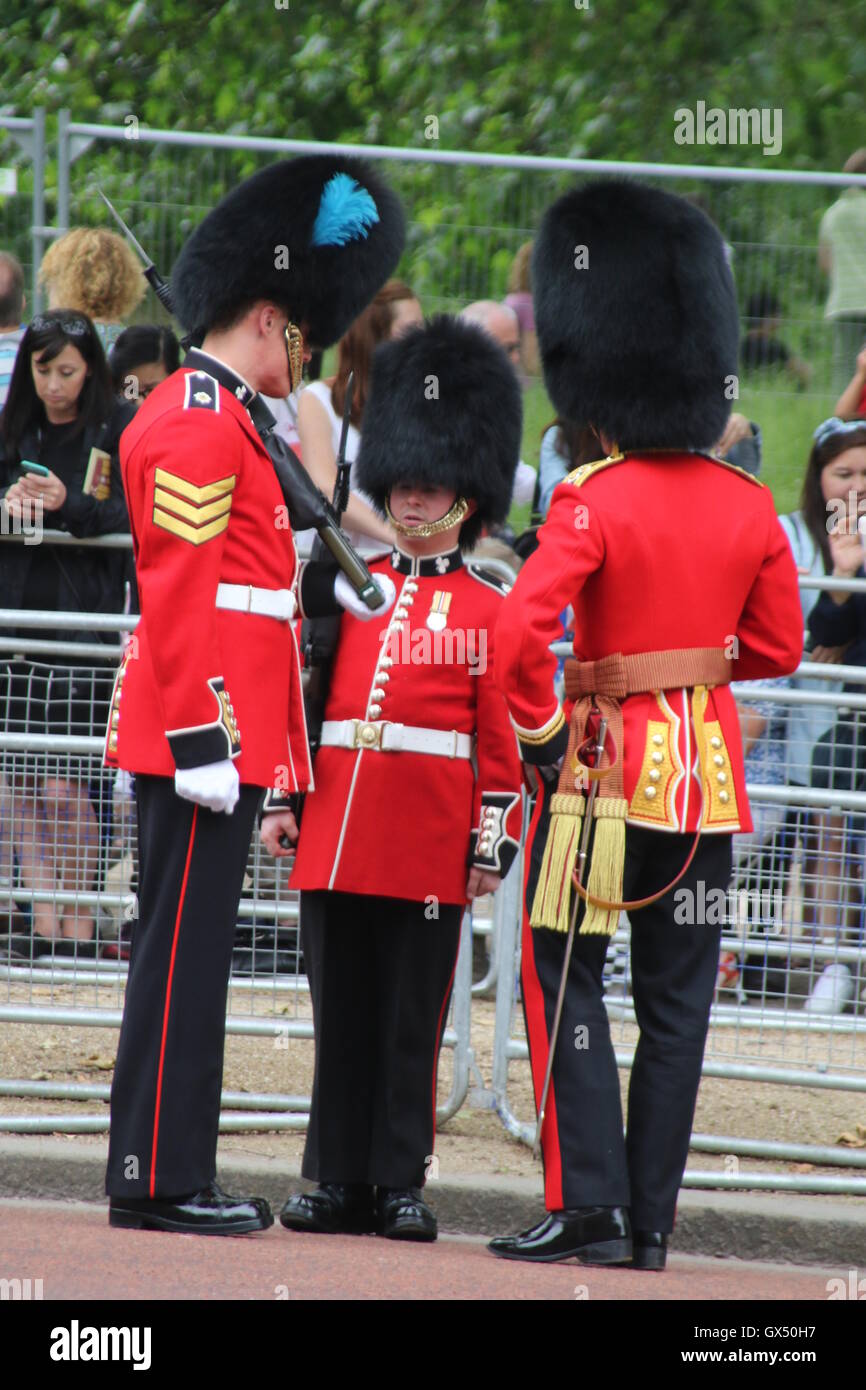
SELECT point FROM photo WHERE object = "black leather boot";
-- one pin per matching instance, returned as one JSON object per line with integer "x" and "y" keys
{"x": 404, "y": 1215}
{"x": 650, "y": 1249}
{"x": 592, "y": 1235}
{"x": 210, "y": 1212}
{"x": 333, "y": 1208}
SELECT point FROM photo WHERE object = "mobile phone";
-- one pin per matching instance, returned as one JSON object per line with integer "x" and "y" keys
{"x": 36, "y": 468}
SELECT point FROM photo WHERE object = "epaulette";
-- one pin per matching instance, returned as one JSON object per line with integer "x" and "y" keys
{"x": 735, "y": 468}
{"x": 488, "y": 577}
{"x": 587, "y": 470}
{"x": 201, "y": 390}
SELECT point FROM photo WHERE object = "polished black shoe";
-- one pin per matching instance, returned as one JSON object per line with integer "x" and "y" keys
{"x": 592, "y": 1235}
{"x": 334, "y": 1208}
{"x": 649, "y": 1250}
{"x": 210, "y": 1212}
{"x": 404, "y": 1215}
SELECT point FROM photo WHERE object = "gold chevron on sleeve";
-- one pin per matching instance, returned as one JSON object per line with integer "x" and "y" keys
{"x": 197, "y": 495}
{"x": 208, "y": 511}
{"x": 196, "y": 534}
{"x": 195, "y": 514}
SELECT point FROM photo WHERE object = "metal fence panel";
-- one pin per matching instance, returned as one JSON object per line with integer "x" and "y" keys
{"x": 68, "y": 849}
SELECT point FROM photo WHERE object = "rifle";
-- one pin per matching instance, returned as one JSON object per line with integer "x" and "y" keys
{"x": 319, "y": 636}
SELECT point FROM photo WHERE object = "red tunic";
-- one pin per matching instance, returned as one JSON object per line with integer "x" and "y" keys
{"x": 404, "y": 824}
{"x": 200, "y": 683}
{"x": 656, "y": 553}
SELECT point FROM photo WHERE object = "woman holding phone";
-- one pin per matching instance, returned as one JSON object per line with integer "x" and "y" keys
{"x": 59, "y": 470}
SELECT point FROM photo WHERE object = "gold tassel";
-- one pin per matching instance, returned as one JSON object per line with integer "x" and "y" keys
{"x": 550, "y": 906}
{"x": 606, "y": 867}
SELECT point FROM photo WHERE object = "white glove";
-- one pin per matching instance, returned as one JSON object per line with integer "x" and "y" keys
{"x": 215, "y": 785}
{"x": 348, "y": 599}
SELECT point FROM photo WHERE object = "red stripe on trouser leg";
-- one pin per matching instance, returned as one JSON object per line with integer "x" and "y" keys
{"x": 439, "y": 1028}
{"x": 538, "y": 1039}
{"x": 168, "y": 1004}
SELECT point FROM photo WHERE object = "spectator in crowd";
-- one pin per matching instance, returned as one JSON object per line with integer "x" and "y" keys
{"x": 502, "y": 323}
{"x": 565, "y": 446}
{"x": 62, "y": 416}
{"x": 11, "y": 332}
{"x": 853, "y": 399}
{"x": 321, "y": 403}
{"x": 842, "y": 256}
{"x": 11, "y": 309}
{"x": 762, "y": 854}
{"x": 837, "y": 620}
{"x": 519, "y": 298}
{"x": 94, "y": 271}
{"x": 141, "y": 358}
{"x": 762, "y": 347}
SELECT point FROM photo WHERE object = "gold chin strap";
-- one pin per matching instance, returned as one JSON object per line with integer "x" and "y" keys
{"x": 295, "y": 351}
{"x": 430, "y": 528}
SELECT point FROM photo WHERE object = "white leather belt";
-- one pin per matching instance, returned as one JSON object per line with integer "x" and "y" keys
{"x": 382, "y": 736}
{"x": 267, "y": 603}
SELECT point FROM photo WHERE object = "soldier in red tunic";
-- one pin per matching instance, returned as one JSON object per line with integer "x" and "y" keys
{"x": 417, "y": 806}
{"x": 207, "y": 706}
{"x": 681, "y": 581}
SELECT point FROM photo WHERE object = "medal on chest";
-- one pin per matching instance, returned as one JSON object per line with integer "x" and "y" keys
{"x": 437, "y": 618}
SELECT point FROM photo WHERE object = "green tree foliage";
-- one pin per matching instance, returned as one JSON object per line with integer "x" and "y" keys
{"x": 514, "y": 76}
{"x": 595, "y": 79}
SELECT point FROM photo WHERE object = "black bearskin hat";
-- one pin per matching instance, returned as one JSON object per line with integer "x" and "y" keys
{"x": 445, "y": 410}
{"x": 318, "y": 235}
{"x": 636, "y": 316}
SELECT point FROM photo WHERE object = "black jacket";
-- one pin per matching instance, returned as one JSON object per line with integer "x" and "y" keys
{"x": 836, "y": 624}
{"x": 90, "y": 580}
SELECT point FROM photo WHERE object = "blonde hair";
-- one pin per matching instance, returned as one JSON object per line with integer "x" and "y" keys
{"x": 519, "y": 279}
{"x": 94, "y": 271}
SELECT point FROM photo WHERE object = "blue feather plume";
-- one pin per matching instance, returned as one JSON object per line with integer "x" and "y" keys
{"x": 346, "y": 212}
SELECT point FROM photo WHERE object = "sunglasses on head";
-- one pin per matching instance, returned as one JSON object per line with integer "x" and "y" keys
{"x": 830, "y": 428}
{"x": 74, "y": 326}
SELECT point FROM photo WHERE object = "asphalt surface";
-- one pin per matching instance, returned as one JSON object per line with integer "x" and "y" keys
{"x": 776, "y": 1228}
{"x": 78, "y": 1257}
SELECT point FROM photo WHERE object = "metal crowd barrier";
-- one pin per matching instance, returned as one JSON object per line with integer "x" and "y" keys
{"x": 814, "y": 855}
{"x": 67, "y": 857}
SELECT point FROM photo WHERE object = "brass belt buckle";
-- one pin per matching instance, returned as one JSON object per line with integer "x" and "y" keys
{"x": 368, "y": 733}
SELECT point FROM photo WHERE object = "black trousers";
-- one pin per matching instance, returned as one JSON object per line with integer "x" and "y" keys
{"x": 165, "y": 1097}
{"x": 380, "y": 977}
{"x": 674, "y": 967}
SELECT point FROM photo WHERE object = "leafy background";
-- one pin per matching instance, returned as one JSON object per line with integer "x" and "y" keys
{"x": 531, "y": 77}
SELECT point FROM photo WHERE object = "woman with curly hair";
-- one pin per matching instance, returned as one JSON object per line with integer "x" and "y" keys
{"x": 94, "y": 271}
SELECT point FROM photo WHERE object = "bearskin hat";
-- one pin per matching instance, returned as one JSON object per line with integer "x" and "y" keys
{"x": 636, "y": 315}
{"x": 318, "y": 235}
{"x": 444, "y": 410}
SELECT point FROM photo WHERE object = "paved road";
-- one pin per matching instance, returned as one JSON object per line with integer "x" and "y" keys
{"x": 78, "y": 1257}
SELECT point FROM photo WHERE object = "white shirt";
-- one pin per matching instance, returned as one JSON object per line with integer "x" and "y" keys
{"x": 366, "y": 546}
{"x": 843, "y": 231}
